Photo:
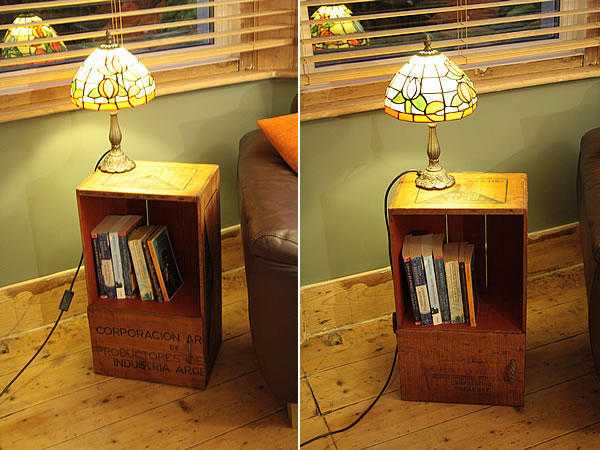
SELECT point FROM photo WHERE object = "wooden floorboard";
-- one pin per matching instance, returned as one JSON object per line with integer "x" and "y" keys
{"x": 61, "y": 403}
{"x": 582, "y": 438}
{"x": 268, "y": 432}
{"x": 546, "y": 413}
{"x": 366, "y": 296}
{"x": 345, "y": 368}
{"x": 34, "y": 303}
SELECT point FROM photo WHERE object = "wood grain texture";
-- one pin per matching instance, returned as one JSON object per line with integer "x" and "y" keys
{"x": 154, "y": 180}
{"x": 573, "y": 403}
{"x": 457, "y": 362}
{"x": 561, "y": 250}
{"x": 348, "y": 300}
{"x": 56, "y": 99}
{"x": 69, "y": 349}
{"x": 558, "y": 380}
{"x": 232, "y": 254}
{"x": 271, "y": 431}
{"x": 343, "y": 386}
{"x": 34, "y": 303}
{"x": 342, "y": 347}
{"x": 584, "y": 437}
{"x": 175, "y": 341}
{"x": 337, "y": 303}
{"x": 313, "y": 427}
{"x": 61, "y": 402}
{"x": 308, "y": 407}
{"x": 473, "y": 193}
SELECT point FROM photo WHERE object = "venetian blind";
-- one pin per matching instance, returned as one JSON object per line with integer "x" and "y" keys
{"x": 362, "y": 39}
{"x": 53, "y": 32}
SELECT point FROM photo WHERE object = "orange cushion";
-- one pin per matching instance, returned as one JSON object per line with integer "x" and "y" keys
{"x": 282, "y": 133}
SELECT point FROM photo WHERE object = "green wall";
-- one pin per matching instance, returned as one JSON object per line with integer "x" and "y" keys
{"x": 347, "y": 163}
{"x": 43, "y": 159}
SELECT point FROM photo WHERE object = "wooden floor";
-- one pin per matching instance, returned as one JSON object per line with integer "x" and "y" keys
{"x": 60, "y": 403}
{"x": 344, "y": 368}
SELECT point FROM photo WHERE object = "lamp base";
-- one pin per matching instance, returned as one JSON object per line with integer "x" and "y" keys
{"x": 434, "y": 179}
{"x": 116, "y": 161}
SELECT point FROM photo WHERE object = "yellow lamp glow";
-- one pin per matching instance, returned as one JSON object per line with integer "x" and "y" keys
{"x": 111, "y": 79}
{"x": 430, "y": 89}
{"x": 335, "y": 28}
{"x": 27, "y": 28}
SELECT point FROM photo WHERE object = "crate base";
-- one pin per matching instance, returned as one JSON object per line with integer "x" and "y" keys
{"x": 461, "y": 366}
{"x": 150, "y": 347}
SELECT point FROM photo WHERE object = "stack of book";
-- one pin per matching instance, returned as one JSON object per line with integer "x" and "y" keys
{"x": 439, "y": 278}
{"x": 132, "y": 258}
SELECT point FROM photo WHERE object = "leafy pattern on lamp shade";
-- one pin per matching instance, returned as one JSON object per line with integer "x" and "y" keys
{"x": 327, "y": 29}
{"x": 111, "y": 78}
{"x": 30, "y": 27}
{"x": 430, "y": 88}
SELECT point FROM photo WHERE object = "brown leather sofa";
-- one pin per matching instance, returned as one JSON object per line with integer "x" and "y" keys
{"x": 588, "y": 200}
{"x": 268, "y": 192}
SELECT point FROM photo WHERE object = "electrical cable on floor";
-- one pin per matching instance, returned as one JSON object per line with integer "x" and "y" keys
{"x": 64, "y": 305}
{"x": 389, "y": 378}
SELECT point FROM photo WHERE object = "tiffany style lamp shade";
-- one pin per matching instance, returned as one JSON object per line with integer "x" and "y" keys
{"x": 111, "y": 79}
{"x": 26, "y": 28}
{"x": 335, "y": 28}
{"x": 430, "y": 89}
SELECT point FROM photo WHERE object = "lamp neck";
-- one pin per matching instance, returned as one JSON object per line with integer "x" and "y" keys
{"x": 114, "y": 134}
{"x": 433, "y": 149}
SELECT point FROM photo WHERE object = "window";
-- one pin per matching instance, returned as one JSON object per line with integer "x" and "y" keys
{"x": 187, "y": 44}
{"x": 350, "y": 50}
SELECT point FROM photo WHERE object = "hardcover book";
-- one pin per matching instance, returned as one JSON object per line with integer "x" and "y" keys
{"x": 122, "y": 266}
{"x": 150, "y": 264}
{"x": 104, "y": 267}
{"x": 467, "y": 254}
{"x": 167, "y": 271}
{"x": 407, "y": 250}
{"x": 437, "y": 242}
{"x": 451, "y": 250}
{"x": 140, "y": 264}
{"x": 463, "y": 281}
{"x": 418, "y": 271}
{"x": 434, "y": 302}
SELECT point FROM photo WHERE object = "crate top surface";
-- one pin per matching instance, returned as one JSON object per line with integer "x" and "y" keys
{"x": 473, "y": 193}
{"x": 151, "y": 179}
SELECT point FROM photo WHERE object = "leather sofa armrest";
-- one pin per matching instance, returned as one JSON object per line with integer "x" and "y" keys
{"x": 588, "y": 190}
{"x": 268, "y": 192}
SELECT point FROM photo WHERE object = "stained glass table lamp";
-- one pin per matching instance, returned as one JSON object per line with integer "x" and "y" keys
{"x": 328, "y": 28}
{"x": 111, "y": 79}
{"x": 430, "y": 89}
{"x": 25, "y": 29}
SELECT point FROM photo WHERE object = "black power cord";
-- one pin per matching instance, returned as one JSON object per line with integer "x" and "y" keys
{"x": 389, "y": 377}
{"x": 64, "y": 305}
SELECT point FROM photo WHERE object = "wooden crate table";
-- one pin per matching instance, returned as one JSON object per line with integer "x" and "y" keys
{"x": 456, "y": 362}
{"x": 175, "y": 342}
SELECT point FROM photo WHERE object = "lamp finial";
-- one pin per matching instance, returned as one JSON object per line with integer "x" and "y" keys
{"x": 427, "y": 42}
{"x": 109, "y": 38}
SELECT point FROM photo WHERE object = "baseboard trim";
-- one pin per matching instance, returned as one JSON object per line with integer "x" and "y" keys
{"x": 231, "y": 231}
{"x": 33, "y": 303}
{"x": 332, "y": 304}
{"x": 549, "y": 233}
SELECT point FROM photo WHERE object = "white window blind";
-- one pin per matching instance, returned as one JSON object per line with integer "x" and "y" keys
{"x": 372, "y": 38}
{"x": 199, "y": 30}
{"x": 186, "y": 44}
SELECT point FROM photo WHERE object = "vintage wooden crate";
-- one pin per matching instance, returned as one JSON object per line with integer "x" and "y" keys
{"x": 177, "y": 342}
{"x": 458, "y": 363}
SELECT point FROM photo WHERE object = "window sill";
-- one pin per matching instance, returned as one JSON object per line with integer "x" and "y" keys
{"x": 48, "y": 93}
{"x": 340, "y": 101}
